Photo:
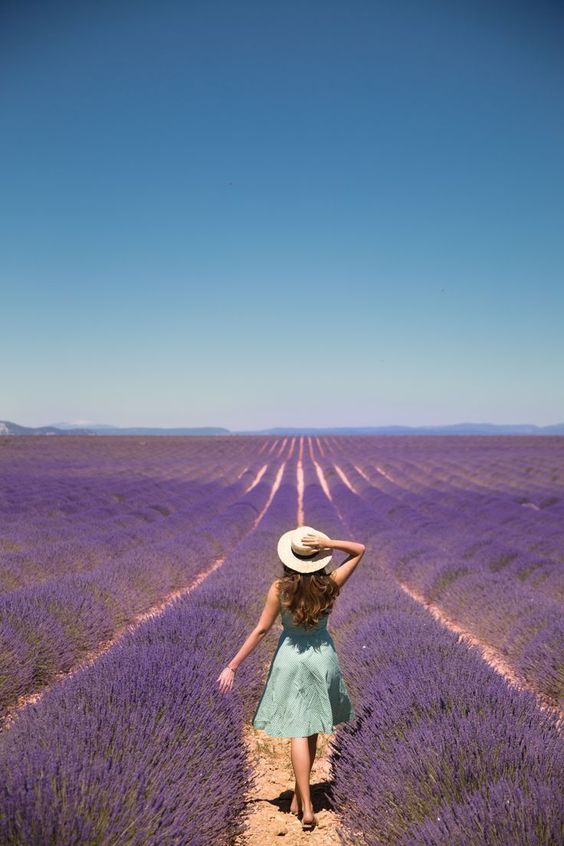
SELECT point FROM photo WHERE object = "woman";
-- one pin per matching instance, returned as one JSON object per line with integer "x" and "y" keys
{"x": 305, "y": 692}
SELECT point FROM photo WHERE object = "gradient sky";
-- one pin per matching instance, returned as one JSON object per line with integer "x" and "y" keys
{"x": 250, "y": 214}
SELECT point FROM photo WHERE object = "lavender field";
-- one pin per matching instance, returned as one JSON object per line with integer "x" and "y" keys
{"x": 113, "y": 730}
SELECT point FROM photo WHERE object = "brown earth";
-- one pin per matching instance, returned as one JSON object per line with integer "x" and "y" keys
{"x": 269, "y": 819}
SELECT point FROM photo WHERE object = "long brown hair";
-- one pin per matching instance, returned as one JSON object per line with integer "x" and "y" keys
{"x": 307, "y": 595}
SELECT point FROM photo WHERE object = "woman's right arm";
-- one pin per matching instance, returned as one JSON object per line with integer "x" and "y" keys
{"x": 355, "y": 550}
{"x": 345, "y": 570}
{"x": 352, "y": 547}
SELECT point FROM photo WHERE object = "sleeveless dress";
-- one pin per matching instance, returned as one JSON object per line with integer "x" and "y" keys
{"x": 305, "y": 692}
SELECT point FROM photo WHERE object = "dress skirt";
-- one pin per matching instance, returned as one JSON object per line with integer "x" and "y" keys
{"x": 305, "y": 692}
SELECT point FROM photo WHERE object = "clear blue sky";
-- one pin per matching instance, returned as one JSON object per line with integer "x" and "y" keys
{"x": 249, "y": 214}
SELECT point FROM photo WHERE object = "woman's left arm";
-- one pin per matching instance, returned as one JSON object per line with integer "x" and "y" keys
{"x": 267, "y": 618}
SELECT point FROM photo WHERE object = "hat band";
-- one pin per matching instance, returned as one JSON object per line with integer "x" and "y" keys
{"x": 305, "y": 557}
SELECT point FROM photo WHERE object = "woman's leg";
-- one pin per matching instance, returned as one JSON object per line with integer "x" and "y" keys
{"x": 297, "y": 802}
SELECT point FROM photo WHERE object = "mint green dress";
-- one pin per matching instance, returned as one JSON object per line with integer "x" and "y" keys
{"x": 305, "y": 692}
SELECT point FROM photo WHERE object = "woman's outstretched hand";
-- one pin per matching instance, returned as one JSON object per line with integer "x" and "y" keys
{"x": 315, "y": 541}
{"x": 226, "y": 679}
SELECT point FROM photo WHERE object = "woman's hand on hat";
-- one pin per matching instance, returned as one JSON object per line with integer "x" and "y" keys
{"x": 225, "y": 679}
{"x": 315, "y": 541}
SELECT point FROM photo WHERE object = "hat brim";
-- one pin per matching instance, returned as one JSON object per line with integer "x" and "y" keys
{"x": 301, "y": 565}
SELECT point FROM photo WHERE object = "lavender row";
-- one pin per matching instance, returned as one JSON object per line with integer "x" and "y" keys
{"x": 141, "y": 748}
{"x": 99, "y": 507}
{"x": 519, "y": 464}
{"x": 46, "y": 629}
{"x": 510, "y": 487}
{"x": 442, "y": 751}
{"x": 472, "y": 528}
{"x": 493, "y": 530}
{"x": 525, "y": 625}
{"x": 99, "y": 544}
{"x": 493, "y": 604}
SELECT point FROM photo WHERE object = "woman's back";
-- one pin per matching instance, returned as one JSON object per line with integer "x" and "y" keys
{"x": 290, "y": 626}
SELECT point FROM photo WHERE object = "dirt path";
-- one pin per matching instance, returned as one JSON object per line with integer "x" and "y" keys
{"x": 269, "y": 801}
{"x": 300, "y": 484}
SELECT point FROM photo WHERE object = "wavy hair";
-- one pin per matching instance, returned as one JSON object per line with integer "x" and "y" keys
{"x": 307, "y": 595}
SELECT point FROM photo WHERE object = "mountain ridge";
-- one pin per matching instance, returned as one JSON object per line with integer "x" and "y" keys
{"x": 8, "y": 427}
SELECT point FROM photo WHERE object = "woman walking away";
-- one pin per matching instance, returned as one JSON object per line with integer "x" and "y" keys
{"x": 305, "y": 692}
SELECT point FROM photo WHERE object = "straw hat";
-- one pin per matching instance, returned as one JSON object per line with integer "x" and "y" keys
{"x": 297, "y": 556}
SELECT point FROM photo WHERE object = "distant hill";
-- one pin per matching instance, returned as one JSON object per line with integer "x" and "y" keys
{"x": 63, "y": 428}
{"x": 9, "y": 428}
{"x": 451, "y": 429}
